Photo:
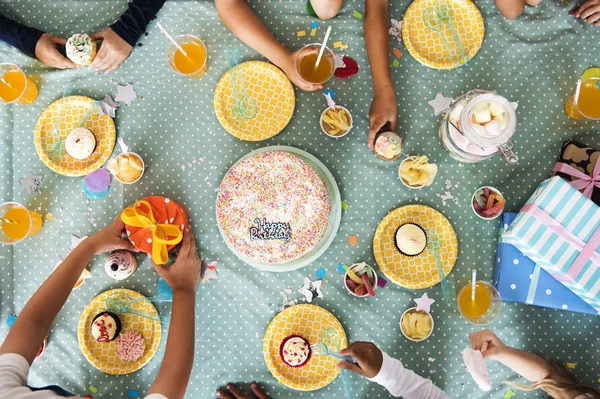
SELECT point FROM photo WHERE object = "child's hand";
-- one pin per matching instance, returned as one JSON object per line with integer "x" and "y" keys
{"x": 488, "y": 343}
{"x": 383, "y": 111}
{"x": 235, "y": 393}
{"x": 45, "y": 51}
{"x": 289, "y": 67}
{"x": 184, "y": 274}
{"x": 368, "y": 357}
{"x": 113, "y": 51}
{"x": 590, "y": 11}
{"x": 109, "y": 238}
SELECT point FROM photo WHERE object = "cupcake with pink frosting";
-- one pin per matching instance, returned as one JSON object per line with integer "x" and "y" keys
{"x": 130, "y": 345}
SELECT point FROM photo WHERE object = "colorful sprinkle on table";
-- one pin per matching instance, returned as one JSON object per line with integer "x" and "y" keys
{"x": 314, "y": 24}
{"x": 352, "y": 240}
{"x": 301, "y": 33}
{"x": 381, "y": 282}
{"x": 93, "y": 389}
{"x": 320, "y": 273}
{"x": 342, "y": 267}
{"x": 313, "y": 32}
{"x": 508, "y": 394}
{"x": 343, "y": 46}
{"x": 337, "y": 44}
{"x": 11, "y": 320}
{"x": 330, "y": 92}
{"x": 396, "y": 63}
{"x": 571, "y": 365}
{"x": 345, "y": 205}
{"x": 357, "y": 14}
{"x": 397, "y": 53}
{"x": 132, "y": 393}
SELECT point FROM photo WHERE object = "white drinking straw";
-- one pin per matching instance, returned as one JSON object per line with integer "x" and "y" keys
{"x": 473, "y": 281}
{"x": 576, "y": 96}
{"x": 323, "y": 46}
{"x": 170, "y": 38}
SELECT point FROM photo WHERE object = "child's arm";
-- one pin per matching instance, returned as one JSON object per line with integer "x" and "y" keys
{"x": 379, "y": 367}
{"x": 242, "y": 21}
{"x": 119, "y": 38}
{"x": 530, "y": 366}
{"x": 32, "y": 324}
{"x": 383, "y": 108}
{"x": 511, "y": 9}
{"x": 183, "y": 277}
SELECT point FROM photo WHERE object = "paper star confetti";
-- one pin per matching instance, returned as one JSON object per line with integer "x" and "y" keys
{"x": 396, "y": 30}
{"x": 440, "y": 103}
{"x": 31, "y": 183}
{"x": 424, "y": 303}
{"x": 311, "y": 289}
{"x": 209, "y": 272}
{"x": 107, "y": 106}
{"x": 126, "y": 94}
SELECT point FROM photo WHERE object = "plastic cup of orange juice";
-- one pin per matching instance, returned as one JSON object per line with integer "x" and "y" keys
{"x": 194, "y": 63}
{"x": 588, "y": 100}
{"x": 15, "y": 86}
{"x": 306, "y": 60}
{"x": 17, "y": 223}
{"x": 486, "y": 306}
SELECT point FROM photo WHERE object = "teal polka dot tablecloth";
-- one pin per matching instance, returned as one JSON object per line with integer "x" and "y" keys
{"x": 534, "y": 60}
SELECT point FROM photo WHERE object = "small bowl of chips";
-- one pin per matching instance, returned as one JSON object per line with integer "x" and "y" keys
{"x": 416, "y": 172}
{"x": 127, "y": 168}
{"x": 488, "y": 203}
{"x": 336, "y": 121}
{"x": 416, "y": 325}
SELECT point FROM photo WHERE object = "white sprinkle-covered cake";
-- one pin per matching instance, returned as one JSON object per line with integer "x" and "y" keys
{"x": 273, "y": 207}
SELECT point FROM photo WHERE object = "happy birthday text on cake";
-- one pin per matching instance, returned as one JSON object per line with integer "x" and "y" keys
{"x": 270, "y": 231}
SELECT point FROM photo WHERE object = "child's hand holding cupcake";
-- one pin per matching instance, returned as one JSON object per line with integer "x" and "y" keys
{"x": 114, "y": 50}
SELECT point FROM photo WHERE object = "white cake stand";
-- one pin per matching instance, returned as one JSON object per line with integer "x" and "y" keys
{"x": 335, "y": 215}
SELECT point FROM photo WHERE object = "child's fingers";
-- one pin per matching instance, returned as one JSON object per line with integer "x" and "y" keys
{"x": 185, "y": 244}
{"x": 237, "y": 393}
{"x": 223, "y": 395}
{"x": 589, "y": 12}
{"x": 259, "y": 392}
{"x": 350, "y": 366}
{"x": 594, "y": 17}
{"x": 582, "y": 8}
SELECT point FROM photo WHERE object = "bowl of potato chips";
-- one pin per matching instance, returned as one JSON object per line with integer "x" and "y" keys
{"x": 336, "y": 121}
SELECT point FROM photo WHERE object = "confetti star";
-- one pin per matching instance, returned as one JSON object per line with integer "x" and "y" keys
{"x": 31, "y": 183}
{"x": 108, "y": 106}
{"x": 311, "y": 289}
{"x": 126, "y": 94}
{"x": 424, "y": 303}
{"x": 440, "y": 103}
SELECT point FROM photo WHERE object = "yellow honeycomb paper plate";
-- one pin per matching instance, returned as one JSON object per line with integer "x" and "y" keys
{"x": 45, "y": 140}
{"x": 272, "y": 94}
{"x": 307, "y": 321}
{"x": 414, "y": 272}
{"x": 436, "y": 48}
{"x": 103, "y": 355}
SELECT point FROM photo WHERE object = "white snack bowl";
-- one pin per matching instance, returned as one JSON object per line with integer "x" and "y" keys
{"x": 350, "y": 120}
{"x": 412, "y": 339}
{"x": 496, "y": 191}
{"x": 141, "y": 174}
{"x": 346, "y": 277}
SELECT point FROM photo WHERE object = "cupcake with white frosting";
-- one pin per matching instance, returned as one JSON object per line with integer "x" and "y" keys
{"x": 120, "y": 264}
{"x": 81, "y": 49}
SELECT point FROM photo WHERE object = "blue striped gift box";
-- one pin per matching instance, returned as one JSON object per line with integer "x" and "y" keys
{"x": 552, "y": 228}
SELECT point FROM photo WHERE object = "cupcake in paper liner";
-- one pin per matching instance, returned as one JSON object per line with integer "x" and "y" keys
{"x": 105, "y": 327}
{"x": 410, "y": 239}
{"x": 295, "y": 351}
{"x": 388, "y": 146}
{"x": 120, "y": 264}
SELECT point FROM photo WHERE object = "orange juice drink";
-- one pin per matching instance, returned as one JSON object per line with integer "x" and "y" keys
{"x": 193, "y": 62}
{"x": 588, "y": 101}
{"x": 484, "y": 308}
{"x": 15, "y": 86}
{"x": 18, "y": 223}
{"x": 306, "y": 64}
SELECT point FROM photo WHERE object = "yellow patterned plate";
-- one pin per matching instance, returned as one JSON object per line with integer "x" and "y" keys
{"x": 414, "y": 272}
{"x": 103, "y": 355}
{"x": 75, "y": 107}
{"x": 436, "y": 47}
{"x": 273, "y": 96}
{"x": 307, "y": 321}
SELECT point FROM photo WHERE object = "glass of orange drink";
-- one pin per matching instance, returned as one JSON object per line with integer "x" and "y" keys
{"x": 588, "y": 100}
{"x": 17, "y": 223}
{"x": 194, "y": 62}
{"x": 15, "y": 86}
{"x": 306, "y": 61}
{"x": 484, "y": 308}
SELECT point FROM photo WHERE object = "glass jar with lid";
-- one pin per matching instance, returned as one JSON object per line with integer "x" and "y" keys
{"x": 478, "y": 125}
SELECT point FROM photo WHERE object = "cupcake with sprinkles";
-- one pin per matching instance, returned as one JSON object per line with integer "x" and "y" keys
{"x": 295, "y": 351}
{"x": 130, "y": 345}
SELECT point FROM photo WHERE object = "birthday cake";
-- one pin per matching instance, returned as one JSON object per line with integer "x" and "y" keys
{"x": 273, "y": 207}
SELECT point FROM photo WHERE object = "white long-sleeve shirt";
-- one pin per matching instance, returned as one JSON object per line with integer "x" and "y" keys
{"x": 13, "y": 381}
{"x": 403, "y": 382}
